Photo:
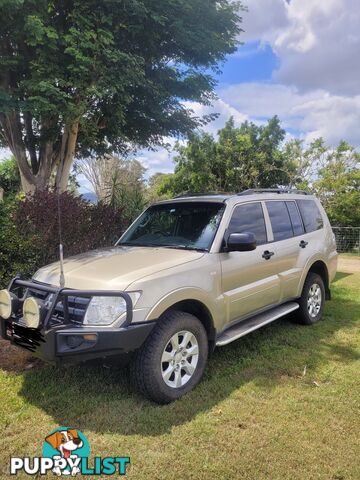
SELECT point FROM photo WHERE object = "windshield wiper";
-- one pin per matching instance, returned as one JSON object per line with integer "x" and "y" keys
{"x": 185, "y": 247}
{"x": 158, "y": 245}
{"x": 132, "y": 244}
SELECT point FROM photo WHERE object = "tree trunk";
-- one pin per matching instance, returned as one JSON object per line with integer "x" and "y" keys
{"x": 36, "y": 176}
{"x": 67, "y": 155}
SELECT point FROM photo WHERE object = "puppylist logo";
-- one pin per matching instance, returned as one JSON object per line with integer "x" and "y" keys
{"x": 66, "y": 451}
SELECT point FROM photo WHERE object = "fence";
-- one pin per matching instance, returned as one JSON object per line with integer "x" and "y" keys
{"x": 347, "y": 239}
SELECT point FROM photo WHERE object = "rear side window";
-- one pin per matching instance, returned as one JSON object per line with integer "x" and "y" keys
{"x": 297, "y": 225}
{"x": 311, "y": 215}
{"x": 249, "y": 218}
{"x": 280, "y": 220}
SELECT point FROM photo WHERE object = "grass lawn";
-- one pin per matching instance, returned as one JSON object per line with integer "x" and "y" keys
{"x": 258, "y": 414}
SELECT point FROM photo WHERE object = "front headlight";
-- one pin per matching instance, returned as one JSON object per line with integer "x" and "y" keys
{"x": 105, "y": 310}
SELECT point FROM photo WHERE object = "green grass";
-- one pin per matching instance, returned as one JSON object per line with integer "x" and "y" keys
{"x": 255, "y": 415}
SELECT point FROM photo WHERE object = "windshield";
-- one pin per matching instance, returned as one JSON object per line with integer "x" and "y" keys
{"x": 190, "y": 225}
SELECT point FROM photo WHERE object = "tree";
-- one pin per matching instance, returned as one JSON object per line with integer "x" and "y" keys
{"x": 116, "y": 182}
{"x": 303, "y": 162}
{"x": 338, "y": 185}
{"x": 155, "y": 187}
{"x": 95, "y": 77}
{"x": 245, "y": 157}
{"x": 9, "y": 175}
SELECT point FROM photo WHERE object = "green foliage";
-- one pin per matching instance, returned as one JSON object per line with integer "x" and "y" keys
{"x": 157, "y": 184}
{"x": 120, "y": 69}
{"x": 17, "y": 254}
{"x": 125, "y": 189}
{"x": 338, "y": 185}
{"x": 245, "y": 157}
{"x": 117, "y": 182}
{"x": 255, "y": 156}
{"x": 9, "y": 175}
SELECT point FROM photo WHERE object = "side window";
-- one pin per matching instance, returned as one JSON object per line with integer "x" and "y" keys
{"x": 280, "y": 220}
{"x": 311, "y": 215}
{"x": 297, "y": 225}
{"x": 249, "y": 218}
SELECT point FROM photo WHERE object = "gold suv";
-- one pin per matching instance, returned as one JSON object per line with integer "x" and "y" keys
{"x": 188, "y": 275}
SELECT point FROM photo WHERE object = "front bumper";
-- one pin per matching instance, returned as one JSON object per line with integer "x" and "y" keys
{"x": 70, "y": 345}
{"x": 68, "y": 342}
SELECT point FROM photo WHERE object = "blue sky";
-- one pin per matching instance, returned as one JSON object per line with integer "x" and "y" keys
{"x": 253, "y": 61}
{"x": 299, "y": 59}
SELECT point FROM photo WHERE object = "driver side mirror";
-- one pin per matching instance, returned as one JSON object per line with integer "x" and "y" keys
{"x": 241, "y": 242}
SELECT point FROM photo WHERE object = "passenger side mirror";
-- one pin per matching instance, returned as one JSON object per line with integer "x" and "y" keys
{"x": 241, "y": 242}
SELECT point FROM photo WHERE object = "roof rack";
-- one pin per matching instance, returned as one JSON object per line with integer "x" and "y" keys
{"x": 252, "y": 191}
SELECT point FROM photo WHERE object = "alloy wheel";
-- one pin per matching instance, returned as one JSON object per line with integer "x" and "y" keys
{"x": 179, "y": 359}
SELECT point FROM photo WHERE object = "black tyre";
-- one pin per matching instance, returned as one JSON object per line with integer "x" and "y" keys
{"x": 172, "y": 360}
{"x": 312, "y": 300}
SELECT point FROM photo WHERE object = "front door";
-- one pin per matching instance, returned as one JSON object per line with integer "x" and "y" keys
{"x": 249, "y": 279}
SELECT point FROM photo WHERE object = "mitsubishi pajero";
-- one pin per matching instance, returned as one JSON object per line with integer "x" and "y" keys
{"x": 189, "y": 274}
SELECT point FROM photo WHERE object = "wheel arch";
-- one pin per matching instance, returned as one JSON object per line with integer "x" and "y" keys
{"x": 321, "y": 269}
{"x": 200, "y": 311}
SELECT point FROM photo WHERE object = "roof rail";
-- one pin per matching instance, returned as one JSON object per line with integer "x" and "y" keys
{"x": 205, "y": 194}
{"x": 252, "y": 191}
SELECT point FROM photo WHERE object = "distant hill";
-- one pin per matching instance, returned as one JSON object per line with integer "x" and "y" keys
{"x": 89, "y": 197}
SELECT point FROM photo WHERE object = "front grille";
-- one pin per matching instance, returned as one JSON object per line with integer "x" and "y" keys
{"x": 76, "y": 306}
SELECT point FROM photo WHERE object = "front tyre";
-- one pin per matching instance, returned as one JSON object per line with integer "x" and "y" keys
{"x": 172, "y": 360}
{"x": 312, "y": 300}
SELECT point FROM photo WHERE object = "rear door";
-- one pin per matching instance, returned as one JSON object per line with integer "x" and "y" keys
{"x": 249, "y": 279}
{"x": 287, "y": 229}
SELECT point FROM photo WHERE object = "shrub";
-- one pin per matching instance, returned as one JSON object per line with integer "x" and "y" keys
{"x": 16, "y": 250}
{"x": 29, "y": 235}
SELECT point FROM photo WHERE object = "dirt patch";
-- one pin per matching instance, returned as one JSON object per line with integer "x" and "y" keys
{"x": 349, "y": 264}
{"x": 15, "y": 360}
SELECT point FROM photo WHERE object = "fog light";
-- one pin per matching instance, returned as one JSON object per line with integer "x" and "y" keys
{"x": 5, "y": 304}
{"x": 32, "y": 312}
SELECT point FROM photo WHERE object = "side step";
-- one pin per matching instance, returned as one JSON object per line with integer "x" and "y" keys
{"x": 253, "y": 323}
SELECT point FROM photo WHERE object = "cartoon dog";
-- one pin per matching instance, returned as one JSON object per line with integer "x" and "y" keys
{"x": 65, "y": 441}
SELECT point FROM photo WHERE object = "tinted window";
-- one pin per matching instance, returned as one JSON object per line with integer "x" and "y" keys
{"x": 295, "y": 218}
{"x": 280, "y": 220}
{"x": 249, "y": 218}
{"x": 310, "y": 214}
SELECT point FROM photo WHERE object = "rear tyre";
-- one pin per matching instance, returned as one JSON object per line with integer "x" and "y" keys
{"x": 173, "y": 358}
{"x": 312, "y": 300}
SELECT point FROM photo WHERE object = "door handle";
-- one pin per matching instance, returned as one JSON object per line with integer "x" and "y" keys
{"x": 267, "y": 255}
{"x": 303, "y": 244}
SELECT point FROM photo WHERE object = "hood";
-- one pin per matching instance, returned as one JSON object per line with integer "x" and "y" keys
{"x": 114, "y": 268}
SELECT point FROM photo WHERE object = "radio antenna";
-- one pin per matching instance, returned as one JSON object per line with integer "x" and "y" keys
{"x": 61, "y": 250}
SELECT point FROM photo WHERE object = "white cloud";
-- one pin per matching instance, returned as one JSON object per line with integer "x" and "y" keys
{"x": 333, "y": 117}
{"x": 263, "y": 20}
{"x": 159, "y": 160}
{"x": 311, "y": 114}
{"x": 317, "y": 42}
{"x": 221, "y": 107}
